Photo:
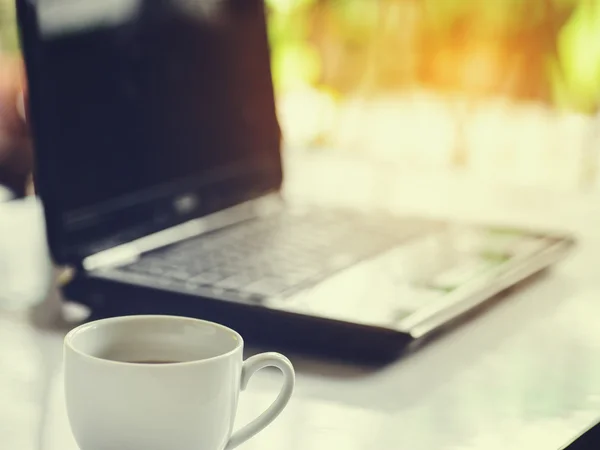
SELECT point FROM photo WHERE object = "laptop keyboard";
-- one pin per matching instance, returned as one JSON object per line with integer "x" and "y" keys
{"x": 272, "y": 256}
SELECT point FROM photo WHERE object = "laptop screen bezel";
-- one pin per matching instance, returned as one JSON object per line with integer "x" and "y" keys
{"x": 68, "y": 248}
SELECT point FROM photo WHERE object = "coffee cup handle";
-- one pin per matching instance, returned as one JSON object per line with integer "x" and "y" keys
{"x": 251, "y": 366}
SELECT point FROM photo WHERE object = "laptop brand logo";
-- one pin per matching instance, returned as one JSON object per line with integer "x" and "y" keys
{"x": 185, "y": 204}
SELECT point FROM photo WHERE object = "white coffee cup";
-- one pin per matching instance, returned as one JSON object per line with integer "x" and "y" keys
{"x": 162, "y": 383}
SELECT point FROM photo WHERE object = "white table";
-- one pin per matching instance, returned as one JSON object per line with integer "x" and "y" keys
{"x": 525, "y": 375}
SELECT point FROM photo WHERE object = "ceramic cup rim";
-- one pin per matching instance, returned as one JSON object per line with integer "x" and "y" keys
{"x": 88, "y": 326}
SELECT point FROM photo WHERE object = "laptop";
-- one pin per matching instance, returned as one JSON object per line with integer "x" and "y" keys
{"x": 159, "y": 164}
{"x": 588, "y": 440}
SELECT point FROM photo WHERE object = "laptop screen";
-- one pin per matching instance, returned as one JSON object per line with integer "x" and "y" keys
{"x": 138, "y": 102}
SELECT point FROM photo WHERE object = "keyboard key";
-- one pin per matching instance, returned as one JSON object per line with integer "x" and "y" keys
{"x": 179, "y": 275}
{"x": 236, "y": 282}
{"x": 267, "y": 287}
{"x": 206, "y": 278}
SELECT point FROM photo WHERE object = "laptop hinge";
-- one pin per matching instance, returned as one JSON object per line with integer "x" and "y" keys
{"x": 131, "y": 251}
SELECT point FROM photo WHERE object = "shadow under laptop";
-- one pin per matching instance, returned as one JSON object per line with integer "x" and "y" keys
{"x": 56, "y": 315}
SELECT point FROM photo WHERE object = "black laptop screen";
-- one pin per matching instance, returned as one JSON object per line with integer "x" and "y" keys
{"x": 136, "y": 100}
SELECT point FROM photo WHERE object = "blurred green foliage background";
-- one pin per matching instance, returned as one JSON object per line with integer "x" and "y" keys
{"x": 8, "y": 28}
{"x": 542, "y": 50}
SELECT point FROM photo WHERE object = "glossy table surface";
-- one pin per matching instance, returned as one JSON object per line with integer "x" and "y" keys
{"x": 523, "y": 375}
